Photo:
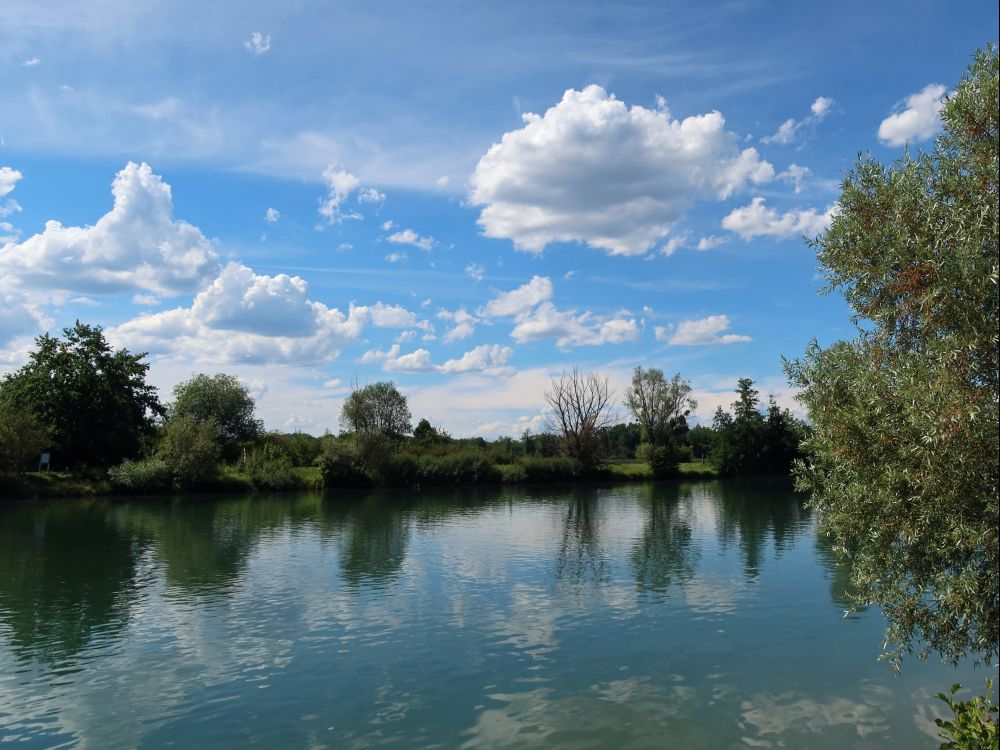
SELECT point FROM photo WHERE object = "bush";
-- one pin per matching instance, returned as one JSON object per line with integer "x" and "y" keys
{"x": 975, "y": 724}
{"x": 459, "y": 469}
{"x": 148, "y": 475}
{"x": 190, "y": 449}
{"x": 269, "y": 468}
{"x": 338, "y": 466}
{"x": 664, "y": 460}
{"x": 558, "y": 469}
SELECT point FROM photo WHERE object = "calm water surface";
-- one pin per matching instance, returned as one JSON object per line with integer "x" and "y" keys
{"x": 660, "y": 615}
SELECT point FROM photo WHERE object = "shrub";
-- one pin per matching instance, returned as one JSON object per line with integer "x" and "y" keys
{"x": 458, "y": 469}
{"x": 557, "y": 469}
{"x": 141, "y": 476}
{"x": 269, "y": 468}
{"x": 663, "y": 460}
{"x": 339, "y": 467}
{"x": 190, "y": 449}
{"x": 975, "y": 724}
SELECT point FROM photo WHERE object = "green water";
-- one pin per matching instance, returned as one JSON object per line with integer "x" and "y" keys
{"x": 688, "y": 616}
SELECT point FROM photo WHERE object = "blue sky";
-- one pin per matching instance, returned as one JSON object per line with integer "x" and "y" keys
{"x": 463, "y": 198}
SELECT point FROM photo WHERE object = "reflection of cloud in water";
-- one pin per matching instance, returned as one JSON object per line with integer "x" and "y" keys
{"x": 773, "y": 716}
{"x": 713, "y": 596}
{"x": 633, "y": 712}
{"x": 530, "y": 624}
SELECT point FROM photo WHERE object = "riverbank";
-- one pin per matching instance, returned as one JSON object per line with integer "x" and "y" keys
{"x": 51, "y": 484}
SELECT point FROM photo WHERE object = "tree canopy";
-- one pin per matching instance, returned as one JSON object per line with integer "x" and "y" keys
{"x": 93, "y": 400}
{"x": 903, "y": 460}
{"x": 224, "y": 399}
{"x": 376, "y": 409}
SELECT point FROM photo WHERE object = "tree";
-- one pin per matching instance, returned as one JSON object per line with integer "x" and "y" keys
{"x": 579, "y": 409}
{"x": 190, "y": 449}
{"x": 224, "y": 399}
{"x": 661, "y": 407}
{"x": 379, "y": 417}
{"x": 377, "y": 409}
{"x": 93, "y": 400}
{"x": 746, "y": 442}
{"x": 22, "y": 438}
{"x": 903, "y": 458}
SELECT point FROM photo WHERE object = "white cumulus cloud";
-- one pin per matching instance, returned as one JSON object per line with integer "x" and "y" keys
{"x": 708, "y": 330}
{"x": 757, "y": 220}
{"x": 918, "y": 120}
{"x": 409, "y": 237}
{"x": 596, "y": 171}
{"x": 571, "y": 329}
{"x": 481, "y": 359}
{"x": 272, "y": 215}
{"x": 137, "y": 245}
{"x": 243, "y": 317}
{"x": 519, "y": 300}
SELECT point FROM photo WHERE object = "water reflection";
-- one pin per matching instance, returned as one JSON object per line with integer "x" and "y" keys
{"x": 547, "y": 617}
{"x": 66, "y": 575}
{"x": 581, "y": 558}
{"x": 378, "y": 531}
{"x": 665, "y": 553}
{"x": 757, "y": 515}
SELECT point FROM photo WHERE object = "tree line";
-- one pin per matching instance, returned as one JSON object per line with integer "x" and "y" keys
{"x": 90, "y": 407}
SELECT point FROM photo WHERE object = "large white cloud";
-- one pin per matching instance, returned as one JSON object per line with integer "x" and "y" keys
{"x": 594, "y": 170}
{"x": 757, "y": 220}
{"x": 487, "y": 357}
{"x": 519, "y": 300}
{"x": 537, "y": 319}
{"x": 571, "y": 329}
{"x": 917, "y": 121}
{"x": 137, "y": 245}
{"x": 699, "y": 332}
{"x": 244, "y": 317}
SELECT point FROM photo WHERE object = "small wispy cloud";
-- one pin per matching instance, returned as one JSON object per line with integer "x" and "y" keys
{"x": 258, "y": 43}
{"x": 31, "y": 62}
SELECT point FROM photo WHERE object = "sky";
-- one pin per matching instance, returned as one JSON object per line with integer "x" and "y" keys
{"x": 464, "y": 198}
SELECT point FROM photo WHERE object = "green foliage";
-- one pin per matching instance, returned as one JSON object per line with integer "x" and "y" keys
{"x": 746, "y": 442}
{"x": 93, "y": 400}
{"x": 377, "y": 409}
{"x": 339, "y": 466}
{"x": 22, "y": 438}
{"x": 620, "y": 440}
{"x": 147, "y": 475}
{"x": 701, "y": 439}
{"x": 302, "y": 449}
{"x": 556, "y": 469}
{"x": 190, "y": 449}
{"x": 903, "y": 459}
{"x": 664, "y": 460}
{"x": 224, "y": 399}
{"x": 974, "y": 726}
{"x": 268, "y": 467}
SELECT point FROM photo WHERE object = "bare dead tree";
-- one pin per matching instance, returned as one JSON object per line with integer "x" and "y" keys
{"x": 579, "y": 407}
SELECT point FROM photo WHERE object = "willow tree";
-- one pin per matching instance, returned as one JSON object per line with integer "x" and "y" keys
{"x": 902, "y": 462}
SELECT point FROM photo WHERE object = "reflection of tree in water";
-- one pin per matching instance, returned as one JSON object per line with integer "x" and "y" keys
{"x": 838, "y": 569}
{"x": 203, "y": 546}
{"x": 66, "y": 574}
{"x": 752, "y": 511}
{"x": 665, "y": 553}
{"x": 581, "y": 556}
{"x": 378, "y": 532}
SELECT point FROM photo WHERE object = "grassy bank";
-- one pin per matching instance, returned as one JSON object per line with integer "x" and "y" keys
{"x": 35, "y": 485}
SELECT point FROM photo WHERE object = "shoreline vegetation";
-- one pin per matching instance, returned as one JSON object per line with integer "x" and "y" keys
{"x": 88, "y": 412}
{"x": 42, "y": 485}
